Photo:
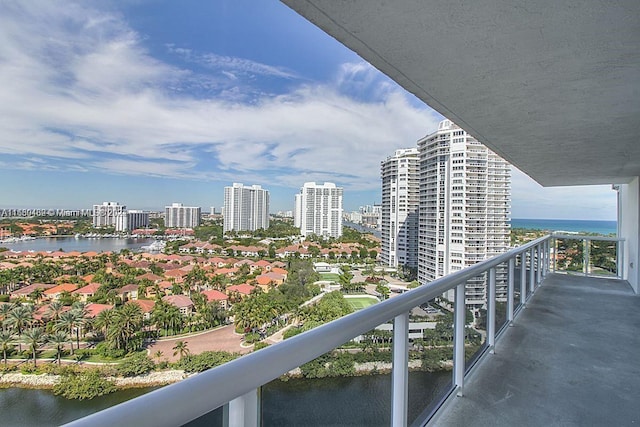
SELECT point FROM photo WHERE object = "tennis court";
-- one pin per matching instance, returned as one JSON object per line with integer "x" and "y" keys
{"x": 360, "y": 302}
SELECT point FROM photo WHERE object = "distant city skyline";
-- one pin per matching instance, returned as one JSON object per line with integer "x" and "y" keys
{"x": 151, "y": 102}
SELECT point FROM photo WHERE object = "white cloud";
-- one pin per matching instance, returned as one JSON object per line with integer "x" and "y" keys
{"x": 99, "y": 95}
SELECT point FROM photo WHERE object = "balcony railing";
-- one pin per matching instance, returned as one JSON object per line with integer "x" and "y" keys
{"x": 594, "y": 256}
{"x": 237, "y": 384}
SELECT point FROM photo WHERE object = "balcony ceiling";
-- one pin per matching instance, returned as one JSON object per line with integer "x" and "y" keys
{"x": 552, "y": 86}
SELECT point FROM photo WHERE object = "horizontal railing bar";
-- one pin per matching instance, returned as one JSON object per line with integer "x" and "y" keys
{"x": 585, "y": 237}
{"x": 179, "y": 403}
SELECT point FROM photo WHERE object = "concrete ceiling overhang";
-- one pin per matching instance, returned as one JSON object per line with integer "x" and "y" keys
{"x": 552, "y": 86}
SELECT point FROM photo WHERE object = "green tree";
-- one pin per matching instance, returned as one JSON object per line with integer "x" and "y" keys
{"x": 35, "y": 337}
{"x": 58, "y": 339}
{"x": 6, "y": 343}
{"x": 181, "y": 349}
{"x": 19, "y": 318}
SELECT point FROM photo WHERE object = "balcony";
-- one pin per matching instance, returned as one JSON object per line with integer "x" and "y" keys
{"x": 553, "y": 352}
{"x": 568, "y": 360}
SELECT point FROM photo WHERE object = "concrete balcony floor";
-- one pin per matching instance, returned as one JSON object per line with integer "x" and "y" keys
{"x": 572, "y": 358}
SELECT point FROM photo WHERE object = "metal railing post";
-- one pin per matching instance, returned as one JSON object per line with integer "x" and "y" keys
{"x": 491, "y": 311}
{"x": 620, "y": 266}
{"x": 523, "y": 278}
{"x": 243, "y": 410}
{"x": 510, "y": 286}
{"x": 555, "y": 254}
{"x": 458, "y": 338}
{"x": 532, "y": 270}
{"x": 540, "y": 264}
{"x": 585, "y": 246}
{"x": 400, "y": 371}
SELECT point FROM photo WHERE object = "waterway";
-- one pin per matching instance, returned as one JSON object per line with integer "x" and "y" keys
{"x": 348, "y": 401}
{"x": 81, "y": 244}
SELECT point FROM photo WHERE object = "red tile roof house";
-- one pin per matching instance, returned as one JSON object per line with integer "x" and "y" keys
{"x": 146, "y": 305}
{"x": 87, "y": 292}
{"x": 183, "y": 302}
{"x": 243, "y": 289}
{"x": 94, "y": 309}
{"x": 24, "y": 292}
{"x": 55, "y": 292}
{"x": 215, "y": 295}
{"x": 152, "y": 277}
{"x": 264, "y": 265}
{"x": 128, "y": 292}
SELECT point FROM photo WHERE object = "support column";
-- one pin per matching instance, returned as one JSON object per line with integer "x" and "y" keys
{"x": 491, "y": 311}
{"x": 400, "y": 371}
{"x": 243, "y": 411}
{"x": 458, "y": 338}
{"x": 510, "y": 289}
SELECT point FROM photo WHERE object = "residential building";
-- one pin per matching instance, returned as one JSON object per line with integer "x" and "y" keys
{"x": 137, "y": 219}
{"x": 245, "y": 208}
{"x": 179, "y": 216}
{"x": 464, "y": 215}
{"x": 319, "y": 209}
{"x": 400, "y": 198}
{"x": 109, "y": 214}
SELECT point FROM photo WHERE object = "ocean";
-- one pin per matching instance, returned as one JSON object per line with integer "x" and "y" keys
{"x": 572, "y": 225}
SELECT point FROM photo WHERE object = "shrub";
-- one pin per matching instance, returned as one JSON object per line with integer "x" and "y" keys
{"x": 251, "y": 337}
{"x": 85, "y": 385}
{"x": 203, "y": 361}
{"x": 260, "y": 345}
{"x": 103, "y": 349}
{"x": 4, "y": 298}
{"x": 138, "y": 364}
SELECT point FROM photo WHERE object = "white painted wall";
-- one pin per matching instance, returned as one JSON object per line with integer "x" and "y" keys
{"x": 629, "y": 217}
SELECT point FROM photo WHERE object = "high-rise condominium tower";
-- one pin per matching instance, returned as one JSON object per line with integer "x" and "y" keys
{"x": 110, "y": 214}
{"x": 318, "y": 209}
{"x": 179, "y": 216}
{"x": 245, "y": 208}
{"x": 400, "y": 197}
{"x": 464, "y": 215}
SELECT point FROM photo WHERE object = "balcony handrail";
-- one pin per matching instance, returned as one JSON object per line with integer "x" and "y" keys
{"x": 179, "y": 403}
{"x": 586, "y": 237}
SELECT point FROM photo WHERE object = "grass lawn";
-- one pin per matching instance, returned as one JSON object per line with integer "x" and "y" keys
{"x": 330, "y": 277}
{"x": 358, "y": 303}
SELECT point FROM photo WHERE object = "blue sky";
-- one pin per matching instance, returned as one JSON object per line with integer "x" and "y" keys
{"x": 153, "y": 102}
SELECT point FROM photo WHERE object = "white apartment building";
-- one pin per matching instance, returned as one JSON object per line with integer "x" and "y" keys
{"x": 464, "y": 215}
{"x": 137, "y": 219}
{"x": 109, "y": 214}
{"x": 318, "y": 209}
{"x": 245, "y": 208}
{"x": 400, "y": 175}
{"x": 179, "y": 216}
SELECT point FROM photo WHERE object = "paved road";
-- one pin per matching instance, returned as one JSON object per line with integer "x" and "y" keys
{"x": 224, "y": 339}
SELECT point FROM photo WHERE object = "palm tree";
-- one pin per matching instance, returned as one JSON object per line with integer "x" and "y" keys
{"x": 180, "y": 348}
{"x": 19, "y": 318}
{"x": 70, "y": 321}
{"x": 6, "y": 344}
{"x": 58, "y": 339}
{"x": 128, "y": 323}
{"x": 54, "y": 310}
{"x": 5, "y": 309}
{"x": 35, "y": 337}
{"x": 105, "y": 320}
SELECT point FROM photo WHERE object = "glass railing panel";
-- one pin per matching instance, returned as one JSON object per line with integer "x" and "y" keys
{"x": 477, "y": 291}
{"x": 516, "y": 282}
{"x": 603, "y": 258}
{"x": 430, "y": 356}
{"x": 569, "y": 255}
{"x": 502, "y": 280}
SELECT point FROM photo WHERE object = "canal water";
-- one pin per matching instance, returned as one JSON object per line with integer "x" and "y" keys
{"x": 348, "y": 401}
{"x": 81, "y": 244}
